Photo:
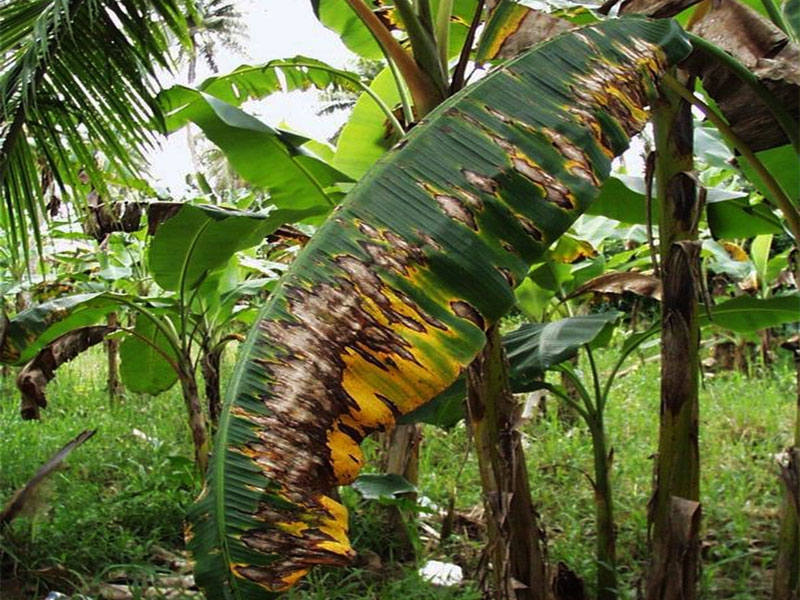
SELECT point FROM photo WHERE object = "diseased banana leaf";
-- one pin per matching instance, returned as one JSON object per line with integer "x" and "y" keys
{"x": 389, "y": 301}
{"x": 31, "y": 330}
{"x": 33, "y": 378}
{"x": 513, "y": 27}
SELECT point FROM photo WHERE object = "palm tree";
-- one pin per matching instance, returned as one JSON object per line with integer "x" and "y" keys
{"x": 78, "y": 80}
{"x": 215, "y": 22}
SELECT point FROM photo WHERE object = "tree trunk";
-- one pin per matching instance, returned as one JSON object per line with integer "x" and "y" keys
{"x": 674, "y": 510}
{"x": 786, "y": 585}
{"x": 515, "y": 544}
{"x": 766, "y": 348}
{"x": 401, "y": 457}
{"x": 567, "y": 415}
{"x": 113, "y": 382}
{"x": 604, "y": 514}
{"x": 210, "y": 363}
{"x": 197, "y": 421}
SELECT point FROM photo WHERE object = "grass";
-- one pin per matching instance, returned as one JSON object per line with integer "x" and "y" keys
{"x": 123, "y": 494}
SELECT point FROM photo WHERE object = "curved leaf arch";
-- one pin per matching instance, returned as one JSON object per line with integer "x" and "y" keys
{"x": 389, "y": 301}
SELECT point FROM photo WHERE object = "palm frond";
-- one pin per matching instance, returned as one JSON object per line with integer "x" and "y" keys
{"x": 79, "y": 79}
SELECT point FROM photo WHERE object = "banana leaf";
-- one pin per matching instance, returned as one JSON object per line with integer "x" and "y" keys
{"x": 388, "y": 302}
{"x": 535, "y": 347}
{"x": 201, "y": 238}
{"x": 513, "y": 27}
{"x": 32, "y": 329}
{"x": 254, "y": 82}
{"x": 33, "y": 378}
{"x": 268, "y": 158}
{"x": 367, "y": 135}
{"x": 144, "y": 367}
{"x": 746, "y": 314}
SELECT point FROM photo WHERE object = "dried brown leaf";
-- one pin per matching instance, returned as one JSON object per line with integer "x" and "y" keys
{"x": 34, "y": 377}
{"x": 658, "y": 9}
{"x": 766, "y": 51}
{"x": 535, "y": 27}
{"x": 619, "y": 283}
{"x": 26, "y": 495}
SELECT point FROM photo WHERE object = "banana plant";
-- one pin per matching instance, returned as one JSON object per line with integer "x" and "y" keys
{"x": 760, "y": 115}
{"x": 389, "y": 301}
{"x": 535, "y": 348}
{"x": 186, "y": 325}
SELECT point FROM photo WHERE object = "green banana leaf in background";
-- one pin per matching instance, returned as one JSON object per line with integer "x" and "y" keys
{"x": 388, "y": 302}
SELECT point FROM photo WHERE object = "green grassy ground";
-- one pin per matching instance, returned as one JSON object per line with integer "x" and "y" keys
{"x": 122, "y": 496}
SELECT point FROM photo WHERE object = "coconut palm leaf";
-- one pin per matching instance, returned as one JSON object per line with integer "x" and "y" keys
{"x": 77, "y": 86}
{"x": 213, "y": 22}
{"x": 389, "y": 301}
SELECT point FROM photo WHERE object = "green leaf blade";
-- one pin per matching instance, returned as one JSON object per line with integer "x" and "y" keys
{"x": 144, "y": 367}
{"x": 746, "y": 314}
{"x": 535, "y": 347}
{"x": 263, "y": 156}
{"x": 199, "y": 239}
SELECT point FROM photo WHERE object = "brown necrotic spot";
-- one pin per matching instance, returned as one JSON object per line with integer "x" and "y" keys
{"x": 368, "y": 230}
{"x": 351, "y": 431}
{"x": 554, "y": 191}
{"x": 505, "y": 145}
{"x": 589, "y": 121}
{"x": 530, "y": 228}
{"x": 508, "y": 276}
{"x": 428, "y": 242}
{"x": 466, "y": 311}
{"x": 456, "y": 210}
{"x": 272, "y": 579}
{"x": 497, "y": 114}
{"x": 565, "y": 146}
{"x": 584, "y": 172}
{"x": 471, "y": 200}
{"x": 269, "y": 513}
{"x": 577, "y": 161}
{"x": 428, "y": 319}
{"x": 483, "y": 183}
{"x": 370, "y": 358}
{"x": 389, "y": 404}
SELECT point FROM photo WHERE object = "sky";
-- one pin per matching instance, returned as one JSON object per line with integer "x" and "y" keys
{"x": 275, "y": 29}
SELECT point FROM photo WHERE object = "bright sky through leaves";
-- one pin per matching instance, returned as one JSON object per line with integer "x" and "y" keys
{"x": 276, "y": 29}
